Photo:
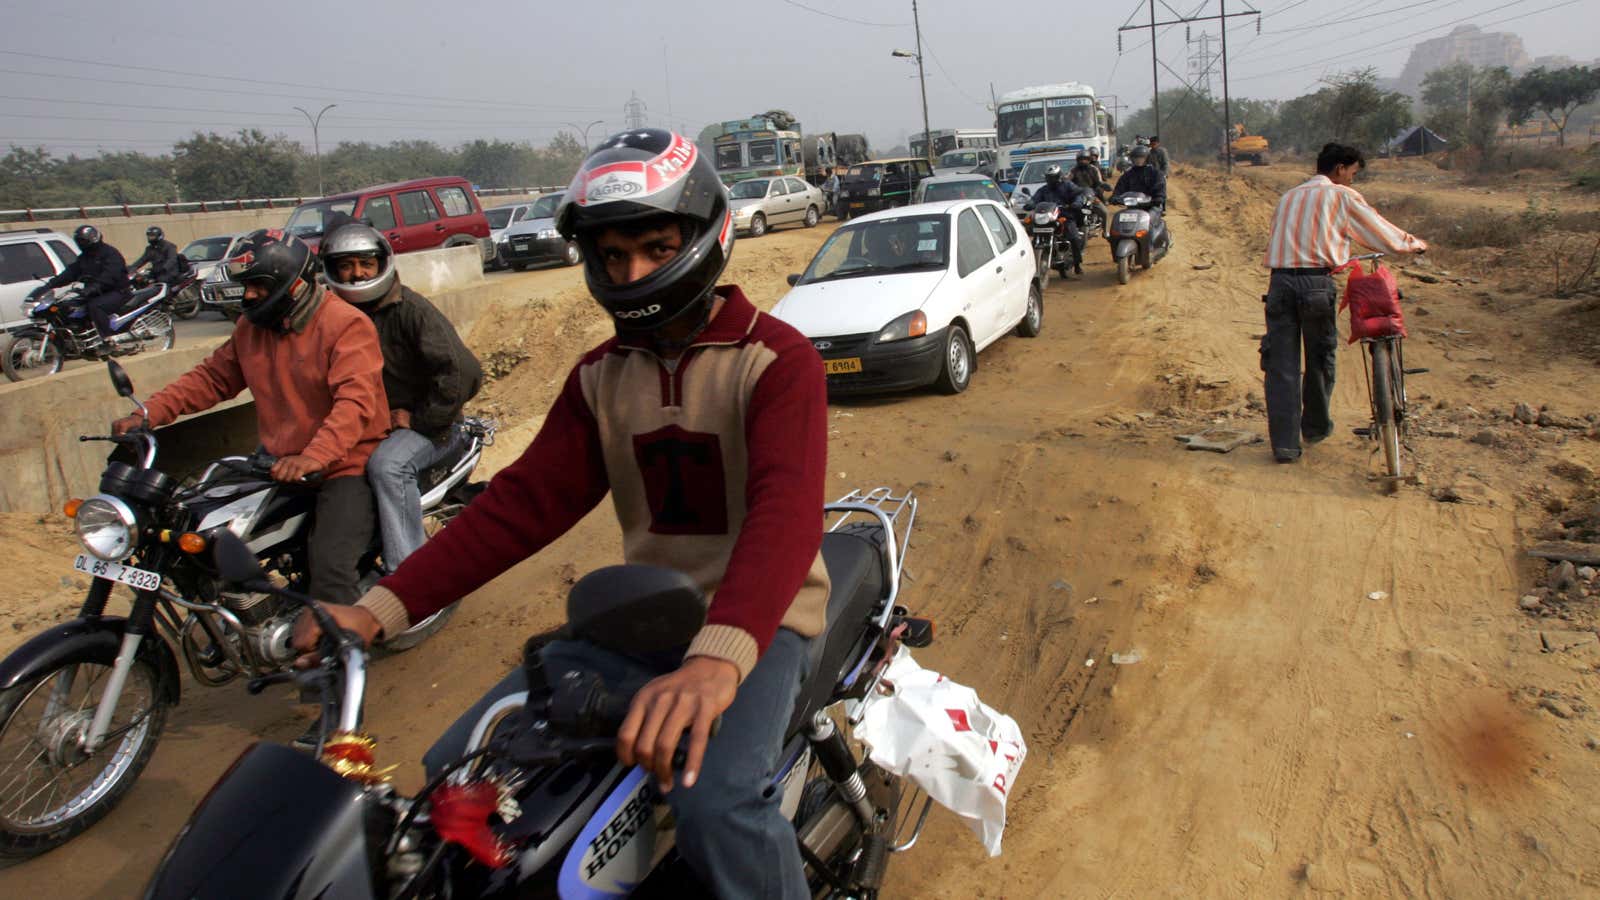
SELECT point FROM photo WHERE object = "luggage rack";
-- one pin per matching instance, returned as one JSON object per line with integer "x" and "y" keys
{"x": 882, "y": 504}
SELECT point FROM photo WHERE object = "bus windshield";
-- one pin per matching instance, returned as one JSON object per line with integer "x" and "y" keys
{"x": 1018, "y": 122}
{"x": 1071, "y": 117}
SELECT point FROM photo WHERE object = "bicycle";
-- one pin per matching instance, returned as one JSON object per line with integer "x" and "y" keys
{"x": 1385, "y": 373}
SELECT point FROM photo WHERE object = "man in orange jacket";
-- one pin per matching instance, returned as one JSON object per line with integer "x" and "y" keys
{"x": 315, "y": 368}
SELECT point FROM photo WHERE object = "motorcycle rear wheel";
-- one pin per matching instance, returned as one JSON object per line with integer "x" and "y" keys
{"x": 19, "y": 360}
{"x": 38, "y": 747}
{"x": 187, "y": 304}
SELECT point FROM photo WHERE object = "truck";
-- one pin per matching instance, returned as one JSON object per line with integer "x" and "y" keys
{"x": 768, "y": 144}
{"x": 829, "y": 150}
{"x": 1252, "y": 147}
{"x": 1052, "y": 120}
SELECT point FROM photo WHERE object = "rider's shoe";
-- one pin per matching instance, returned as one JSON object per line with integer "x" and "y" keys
{"x": 308, "y": 739}
{"x": 1285, "y": 456}
{"x": 1077, "y": 269}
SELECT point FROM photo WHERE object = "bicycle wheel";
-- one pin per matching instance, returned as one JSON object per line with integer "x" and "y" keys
{"x": 1384, "y": 388}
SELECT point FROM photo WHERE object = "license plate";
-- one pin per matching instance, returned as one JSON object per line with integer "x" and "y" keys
{"x": 520, "y": 247}
{"x": 1044, "y": 231}
{"x": 858, "y": 205}
{"x": 138, "y": 579}
{"x": 841, "y": 366}
{"x": 233, "y": 291}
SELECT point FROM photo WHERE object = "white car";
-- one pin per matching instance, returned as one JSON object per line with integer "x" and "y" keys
{"x": 908, "y": 297}
{"x": 28, "y": 259}
{"x": 207, "y": 255}
{"x": 1031, "y": 178}
{"x": 503, "y": 217}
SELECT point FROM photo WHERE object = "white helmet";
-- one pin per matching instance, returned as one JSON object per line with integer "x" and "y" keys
{"x": 358, "y": 239}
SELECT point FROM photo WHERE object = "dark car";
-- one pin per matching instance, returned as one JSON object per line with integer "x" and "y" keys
{"x": 413, "y": 215}
{"x": 534, "y": 240}
{"x": 880, "y": 184}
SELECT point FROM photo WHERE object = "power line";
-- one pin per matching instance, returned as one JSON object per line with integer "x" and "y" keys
{"x": 1324, "y": 41}
{"x": 1342, "y": 19}
{"x": 342, "y": 123}
{"x": 823, "y": 12}
{"x": 971, "y": 99}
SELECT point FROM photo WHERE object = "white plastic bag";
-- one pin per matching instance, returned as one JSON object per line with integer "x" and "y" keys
{"x": 941, "y": 736}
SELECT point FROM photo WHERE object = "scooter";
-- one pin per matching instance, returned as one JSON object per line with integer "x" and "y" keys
{"x": 1139, "y": 234}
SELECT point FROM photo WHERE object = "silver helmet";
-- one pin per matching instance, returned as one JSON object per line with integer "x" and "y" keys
{"x": 359, "y": 239}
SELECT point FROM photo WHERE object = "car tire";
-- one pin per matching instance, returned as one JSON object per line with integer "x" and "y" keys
{"x": 1033, "y": 318}
{"x": 758, "y": 225}
{"x": 572, "y": 255}
{"x": 812, "y": 217}
{"x": 955, "y": 372}
{"x": 520, "y": 267}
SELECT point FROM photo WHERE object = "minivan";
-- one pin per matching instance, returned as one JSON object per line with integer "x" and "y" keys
{"x": 413, "y": 215}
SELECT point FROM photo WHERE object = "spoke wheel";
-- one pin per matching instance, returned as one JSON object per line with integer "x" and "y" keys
{"x": 51, "y": 787}
{"x": 187, "y": 305}
{"x": 1384, "y": 408}
{"x": 30, "y": 356}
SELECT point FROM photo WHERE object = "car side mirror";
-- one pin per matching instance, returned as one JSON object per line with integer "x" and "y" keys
{"x": 119, "y": 378}
{"x": 235, "y": 561}
{"x": 793, "y": 280}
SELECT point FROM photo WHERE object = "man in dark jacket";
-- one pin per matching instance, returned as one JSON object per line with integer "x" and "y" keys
{"x": 104, "y": 274}
{"x": 166, "y": 264}
{"x": 1158, "y": 157}
{"x": 1086, "y": 174}
{"x": 1142, "y": 178}
{"x": 428, "y": 374}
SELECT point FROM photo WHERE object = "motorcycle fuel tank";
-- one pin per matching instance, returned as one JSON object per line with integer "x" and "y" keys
{"x": 277, "y": 825}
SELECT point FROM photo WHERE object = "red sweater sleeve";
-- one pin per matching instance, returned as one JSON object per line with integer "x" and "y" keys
{"x": 533, "y": 501}
{"x": 786, "y": 430}
{"x": 355, "y": 374}
{"x": 217, "y": 378}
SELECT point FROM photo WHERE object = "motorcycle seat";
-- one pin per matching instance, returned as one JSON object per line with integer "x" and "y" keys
{"x": 140, "y": 298}
{"x": 859, "y": 576}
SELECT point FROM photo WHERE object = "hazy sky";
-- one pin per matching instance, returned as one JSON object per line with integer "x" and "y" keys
{"x": 523, "y": 70}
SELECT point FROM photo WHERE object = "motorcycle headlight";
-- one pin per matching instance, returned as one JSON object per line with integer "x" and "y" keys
{"x": 1044, "y": 218}
{"x": 106, "y": 526}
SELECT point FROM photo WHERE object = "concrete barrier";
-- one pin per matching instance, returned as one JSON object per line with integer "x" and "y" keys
{"x": 42, "y": 463}
{"x": 439, "y": 271}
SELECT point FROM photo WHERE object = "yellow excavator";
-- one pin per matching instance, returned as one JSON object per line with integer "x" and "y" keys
{"x": 1242, "y": 146}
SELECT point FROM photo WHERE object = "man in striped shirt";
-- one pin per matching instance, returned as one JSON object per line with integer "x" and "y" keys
{"x": 1311, "y": 233}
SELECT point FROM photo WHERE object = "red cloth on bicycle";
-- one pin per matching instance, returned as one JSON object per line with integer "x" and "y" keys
{"x": 1374, "y": 302}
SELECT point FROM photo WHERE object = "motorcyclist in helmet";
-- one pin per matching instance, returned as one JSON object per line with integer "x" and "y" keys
{"x": 706, "y": 421}
{"x": 1142, "y": 177}
{"x": 167, "y": 265}
{"x": 104, "y": 274}
{"x": 1065, "y": 194}
{"x": 1086, "y": 174}
{"x": 428, "y": 375}
{"x": 313, "y": 364}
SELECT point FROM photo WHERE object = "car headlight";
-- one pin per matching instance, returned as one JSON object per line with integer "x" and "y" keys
{"x": 549, "y": 234}
{"x": 873, "y": 192}
{"x": 912, "y": 324}
{"x": 743, "y": 212}
{"x": 106, "y": 526}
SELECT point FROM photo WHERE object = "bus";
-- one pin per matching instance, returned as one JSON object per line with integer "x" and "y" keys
{"x": 1052, "y": 120}
{"x": 947, "y": 139}
{"x": 749, "y": 148}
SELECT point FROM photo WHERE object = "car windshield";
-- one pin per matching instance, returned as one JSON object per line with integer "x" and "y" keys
{"x": 545, "y": 207}
{"x": 902, "y": 244}
{"x": 959, "y": 158}
{"x": 308, "y": 219}
{"x": 871, "y": 170}
{"x": 207, "y": 249}
{"x": 967, "y": 189}
{"x": 753, "y": 189}
{"x": 763, "y": 153}
{"x": 1033, "y": 172}
{"x": 499, "y": 217}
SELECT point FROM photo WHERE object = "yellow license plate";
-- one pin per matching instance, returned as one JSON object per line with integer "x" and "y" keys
{"x": 858, "y": 205}
{"x": 841, "y": 366}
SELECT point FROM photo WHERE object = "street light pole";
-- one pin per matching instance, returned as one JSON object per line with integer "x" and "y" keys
{"x": 316, "y": 142}
{"x": 584, "y": 129}
{"x": 922, "y": 81}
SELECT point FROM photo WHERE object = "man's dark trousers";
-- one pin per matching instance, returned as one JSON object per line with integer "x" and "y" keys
{"x": 340, "y": 535}
{"x": 1300, "y": 311}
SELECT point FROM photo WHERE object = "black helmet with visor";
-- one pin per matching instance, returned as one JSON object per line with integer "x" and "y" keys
{"x": 284, "y": 265}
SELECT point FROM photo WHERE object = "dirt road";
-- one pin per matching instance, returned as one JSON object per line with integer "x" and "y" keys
{"x": 1282, "y": 733}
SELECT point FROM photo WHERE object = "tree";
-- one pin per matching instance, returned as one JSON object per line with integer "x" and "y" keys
{"x": 212, "y": 167}
{"x": 1359, "y": 112}
{"x": 1466, "y": 104}
{"x": 1553, "y": 92}
{"x": 25, "y": 175}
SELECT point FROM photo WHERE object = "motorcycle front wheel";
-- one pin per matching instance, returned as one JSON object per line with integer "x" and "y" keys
{"x": 1124, "y": 269}
{"x": 51, "y": 788}
{"x": 30, "y": 356}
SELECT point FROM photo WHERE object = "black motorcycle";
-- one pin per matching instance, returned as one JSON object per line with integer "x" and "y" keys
{"x": 1138, "y": 234}
{"x": 59, "y": 329}
{"x": 538, "y": 805}
{"x": 1055, "y": 246}
{"x": 82, "y": 705}
{"x": 183, "y": 292}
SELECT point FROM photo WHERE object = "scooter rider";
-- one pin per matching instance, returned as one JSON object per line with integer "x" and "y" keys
{"x": 104, "y": 274}
{"x": 167, "y": 265}
{"x": 313, "y": 365}
{"x": 1066, "y": 194}
{"x": 706, "y": 420}
{"x": 428, "y": 375}
{"x": 1142, "y": 177}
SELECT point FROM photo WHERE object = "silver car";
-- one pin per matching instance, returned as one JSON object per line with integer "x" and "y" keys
{"x": 761, "y": 203}
{"x": 1031, "y": 178}
{"x": 500, "y": 218}
{"x": 958, "y": 187}
{"x": 217, "y": 292}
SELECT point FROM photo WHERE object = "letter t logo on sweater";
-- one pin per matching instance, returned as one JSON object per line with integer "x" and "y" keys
{"x": 683, "y": 481}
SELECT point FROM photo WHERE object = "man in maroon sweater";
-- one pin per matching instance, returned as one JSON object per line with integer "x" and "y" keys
{"x": 706, "y": 422}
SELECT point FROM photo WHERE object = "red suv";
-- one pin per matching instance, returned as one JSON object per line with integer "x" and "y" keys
{"x": 413, "y": 215}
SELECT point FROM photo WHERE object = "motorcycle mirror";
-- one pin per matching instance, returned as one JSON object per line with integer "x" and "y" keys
{"x": 119, "y": 378}
{"x": 793, "y": 280}
{"x": 235, "y": 561}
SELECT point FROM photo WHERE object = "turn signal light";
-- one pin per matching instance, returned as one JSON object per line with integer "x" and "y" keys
{"x": 189, "y": 542}
{"x": 70, "y": 508}
{"x": 1140, "y": 233}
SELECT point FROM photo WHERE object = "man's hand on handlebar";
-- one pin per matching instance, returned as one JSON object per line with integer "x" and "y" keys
{"x": 294, "y": 468}
{"x": 354, "y": 619}
{"x": 689, "y": 699}
{"x": 127, "y": 423}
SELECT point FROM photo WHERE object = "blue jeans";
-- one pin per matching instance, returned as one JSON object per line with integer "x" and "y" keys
{"x": 393, "y": 471}
{"x": 730, "y": 832}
